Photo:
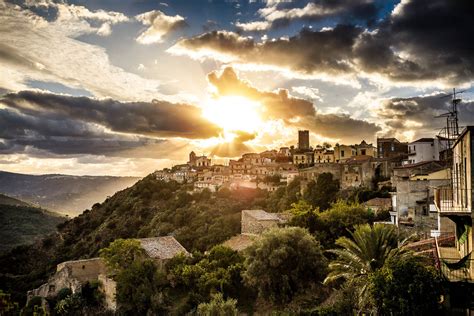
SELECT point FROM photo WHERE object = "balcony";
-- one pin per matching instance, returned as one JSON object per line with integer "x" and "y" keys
{"x": 454, "y": 267}
{"x": 449, "y": 201}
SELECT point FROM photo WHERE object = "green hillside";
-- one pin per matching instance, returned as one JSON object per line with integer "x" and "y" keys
{"x": 149, "y": 208}
{"x": 23, "y": 224}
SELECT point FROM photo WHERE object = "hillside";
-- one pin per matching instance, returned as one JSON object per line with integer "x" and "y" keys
{"x": 62, "y": 193}
{"x": 149, "y": 208}
{"x": 6, "y": 200}
{"x": 23, "y": 224}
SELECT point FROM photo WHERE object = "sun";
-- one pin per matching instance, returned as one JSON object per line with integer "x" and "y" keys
{"x": 234, "y": 113}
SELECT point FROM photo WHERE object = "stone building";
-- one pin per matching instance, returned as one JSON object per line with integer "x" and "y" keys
{"x": 257, "y": 221}
{"x": 253, "y": 224}
{"x": 391, "y": 148}
{"x": 323, "y": 155}
{"x": 313, "y": 172}
{"x": 303, "y": 140}
{"x": 414, "y": 196}
{"x": 343, "y": 152}
{"x": 358, "y": 172}
{"x": 74, "y": 274}
{"x": 303, "y": 158}
{"x": 198, "y": 161}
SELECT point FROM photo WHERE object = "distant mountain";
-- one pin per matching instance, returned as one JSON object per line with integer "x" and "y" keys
{"x": 62, "y": 193}
{"x": 23, "y": 224}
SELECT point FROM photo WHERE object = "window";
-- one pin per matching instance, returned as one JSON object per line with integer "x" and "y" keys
{"x": 357, "y": 178}
{"x": 342, "y": 153}
{"x": 392, "y": 147}
{"x": 362, "y": 152}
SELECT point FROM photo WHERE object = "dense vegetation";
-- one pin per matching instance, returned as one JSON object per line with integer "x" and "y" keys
{"x": 149, "y": 208}
{"x": 23, "y": 224}
{"x": 283, "y": 271}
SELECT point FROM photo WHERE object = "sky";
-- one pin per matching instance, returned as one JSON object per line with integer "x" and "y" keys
{"x": 106, "y": 87}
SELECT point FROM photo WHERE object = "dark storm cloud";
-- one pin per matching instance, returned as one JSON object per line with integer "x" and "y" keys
{"x": 280, "y": 105}
{"x": 43, "y": 124}
{"x": 400, "y": 114}
{"x": 281, "y": 14}
{"x": 308, "y": 52}
{"x": 432, "y": 33}
{"x": 48, "y": 136}
{"x": 156, "y": 118}
{"x": 421, "y": 40}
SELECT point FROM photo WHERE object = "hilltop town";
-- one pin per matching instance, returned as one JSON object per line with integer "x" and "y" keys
{"x": 409, "y": 169}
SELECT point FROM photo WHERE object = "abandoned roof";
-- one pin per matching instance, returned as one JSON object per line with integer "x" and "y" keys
{"x": 240, "y": 242}
{"x": 162, "y": 247}
{"x": 261, "y": 215}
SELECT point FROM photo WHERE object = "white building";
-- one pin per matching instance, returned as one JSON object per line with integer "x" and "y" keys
{"x": 424, "y": 149}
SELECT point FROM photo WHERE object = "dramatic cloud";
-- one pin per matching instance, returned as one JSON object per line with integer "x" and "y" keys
{"x": 35, "y": 49}
{"x": 421, "y": 41}
{"x": 41, "y": 123}
{"x": 418, "y": 114}
{"x": 277, "y": 14}
{"x": 159, "y": 25}
{"x": 157, "y": 118}
{"x": 326, "y": 52}
{"x": 294, "y": 111}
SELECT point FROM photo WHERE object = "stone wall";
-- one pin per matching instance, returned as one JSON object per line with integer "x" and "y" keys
{"x": 109, "y": 287}
{"x": 312, "y": 173}
{"x": 72, "y": 275}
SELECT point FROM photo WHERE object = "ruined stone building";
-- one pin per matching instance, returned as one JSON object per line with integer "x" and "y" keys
{"x": 253, "y": 224}
{"x": 74, "y": 274}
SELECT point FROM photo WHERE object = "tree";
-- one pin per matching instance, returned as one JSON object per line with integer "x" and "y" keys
{"x": 303, "y": 215}
{"x": 218, "y": 307}
{"x": 406, "y": 287}
{"x": 339, "y": 220}
{"x": 121, "y": 253}
{"x": 365, "y": 252}
{"x": 322, "y": 192}
{"x": 283, "y": 262}
{"x": 140, "y": 289}
{"x": 218, "y": 271}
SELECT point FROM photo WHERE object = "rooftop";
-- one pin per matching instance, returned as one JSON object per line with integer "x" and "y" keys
{"x": 240, "y": 242}
{"x": 261, "y": 215}
{"x": 162, "y": 247}
{"x": 379, "y": 202}
{"x": 424, "y": 140}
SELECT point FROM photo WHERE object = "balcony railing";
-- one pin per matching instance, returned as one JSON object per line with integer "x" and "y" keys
{"x": 453, "y": 201}
{"x": 450, "y": 263}
{"x": 455, "y": 271}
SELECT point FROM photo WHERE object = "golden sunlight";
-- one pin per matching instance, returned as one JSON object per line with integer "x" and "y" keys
{"x": 233, "y": 113}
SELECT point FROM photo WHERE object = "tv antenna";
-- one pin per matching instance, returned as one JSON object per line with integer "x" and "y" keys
{"x": 451, "y": 131}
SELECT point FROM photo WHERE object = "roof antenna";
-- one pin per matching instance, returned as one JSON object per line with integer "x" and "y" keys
{"x": 450, "y": 132}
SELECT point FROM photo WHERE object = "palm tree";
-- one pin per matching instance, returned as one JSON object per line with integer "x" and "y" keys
{"x": 364, "y": 253}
